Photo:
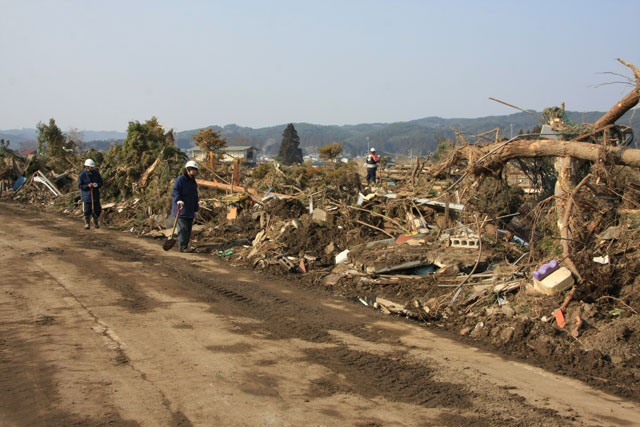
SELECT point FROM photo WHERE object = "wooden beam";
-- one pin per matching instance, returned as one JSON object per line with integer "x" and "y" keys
{"x": 252, "y": 191}
{"x": 552, "y": 148}
{"x": 221, "y": 186}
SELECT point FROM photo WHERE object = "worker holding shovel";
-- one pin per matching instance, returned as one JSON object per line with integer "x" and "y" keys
{"x": 89, "y": 182}
{"x": 184, "y": 204}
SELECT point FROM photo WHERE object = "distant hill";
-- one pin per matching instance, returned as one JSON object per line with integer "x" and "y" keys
{"x": 416, "y": 137}
{"x": 100, "y": 140}
{"x": 18, "y": 135}
{"x": 419, "y": 136}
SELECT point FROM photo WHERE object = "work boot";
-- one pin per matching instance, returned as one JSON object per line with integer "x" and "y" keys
{"x": 87, "y": 224}
{"x": 95, "y": 221}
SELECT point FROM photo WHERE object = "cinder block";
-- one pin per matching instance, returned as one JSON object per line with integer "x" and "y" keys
{"x": 464, "y": 242}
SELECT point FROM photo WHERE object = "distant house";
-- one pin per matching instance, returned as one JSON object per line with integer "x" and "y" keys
{"x": 196, "y": 154}
{"x": 247, "y": 153}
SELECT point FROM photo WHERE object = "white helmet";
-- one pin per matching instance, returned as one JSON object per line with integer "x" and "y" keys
{"x": 372, "y": 150}
{"x": 90, "y": 163}
{"x": 191, "y": 164}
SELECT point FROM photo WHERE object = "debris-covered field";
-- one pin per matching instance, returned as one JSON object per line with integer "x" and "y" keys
{"x": 527, "y": 246}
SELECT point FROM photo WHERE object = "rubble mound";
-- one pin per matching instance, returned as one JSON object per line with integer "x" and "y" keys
{"x": 311, "y": 239}
{"x": 285, "y": 208}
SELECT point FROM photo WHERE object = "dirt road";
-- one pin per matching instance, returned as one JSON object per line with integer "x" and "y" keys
{"x": 99, "y": 327}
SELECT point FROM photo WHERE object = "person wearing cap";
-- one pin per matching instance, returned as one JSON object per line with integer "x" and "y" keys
{"x": 372, "y": 166}
{"x": 90, "y": 182}
{"x": 185, "y": 200}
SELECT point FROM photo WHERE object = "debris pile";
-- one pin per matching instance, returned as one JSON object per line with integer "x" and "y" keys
{"x": 529, "y": 244}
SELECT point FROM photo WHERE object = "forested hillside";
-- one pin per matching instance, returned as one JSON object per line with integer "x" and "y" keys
{"x": 417, "y": 137}
{"x": 414, "y": 137}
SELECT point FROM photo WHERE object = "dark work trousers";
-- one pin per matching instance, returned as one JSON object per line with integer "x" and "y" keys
{"x": 96, "y": 208}
{"x": 184, "y": 232}
{"x": 371, "y": 175}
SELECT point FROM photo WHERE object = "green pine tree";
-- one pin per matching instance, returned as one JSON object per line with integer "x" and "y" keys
{"x": 290, "y": 151}
{"x": 51, "y": 141}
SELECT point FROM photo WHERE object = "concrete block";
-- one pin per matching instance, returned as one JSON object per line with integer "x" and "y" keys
{"x": 464, "y": 242}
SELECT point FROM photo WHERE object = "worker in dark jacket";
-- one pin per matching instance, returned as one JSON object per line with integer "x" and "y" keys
{"x": 89, "y": 182}
{"x": 372, "y": 166}
{"x": 185, "y": 199}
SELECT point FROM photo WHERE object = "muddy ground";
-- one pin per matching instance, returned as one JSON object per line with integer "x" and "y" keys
{"x": 99, "y": 327}
{"x": 603, "y": 350}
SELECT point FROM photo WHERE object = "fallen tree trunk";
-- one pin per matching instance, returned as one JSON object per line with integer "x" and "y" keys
{"x": 568, "y": 153}
{"x": 566, "y": 150}
{"x": 552, "y": 148}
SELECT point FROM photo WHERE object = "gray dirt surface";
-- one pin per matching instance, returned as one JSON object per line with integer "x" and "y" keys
{"x": 98, "y": 327}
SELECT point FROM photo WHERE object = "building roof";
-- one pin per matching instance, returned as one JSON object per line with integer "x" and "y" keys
{"x": 239, "y": 148}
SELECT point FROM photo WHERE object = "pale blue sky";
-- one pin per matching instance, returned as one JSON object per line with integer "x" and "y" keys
{"x": 96, "y": 65}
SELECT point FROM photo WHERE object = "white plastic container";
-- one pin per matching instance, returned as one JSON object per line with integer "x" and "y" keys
{"x": 557, "y": 281}
{"x": 343, "y": 257}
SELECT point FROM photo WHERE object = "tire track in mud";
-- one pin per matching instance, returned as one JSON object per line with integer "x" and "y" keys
{"x": 27, "y": 370}
{"x": 281, "y": 317}
{"x": 395, "y": 379}
{"x": 366, "y": 374}
{"x": 296, "y": 315}
{"x": 27, "y": 378}
{"x": 394, "y": 375}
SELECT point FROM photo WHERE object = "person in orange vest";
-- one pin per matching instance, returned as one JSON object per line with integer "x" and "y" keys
{"x": 372, "y": 166}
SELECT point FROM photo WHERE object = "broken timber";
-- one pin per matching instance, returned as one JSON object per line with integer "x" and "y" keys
{"x": 252, "y": 191}
{"x": 553, "y": 148}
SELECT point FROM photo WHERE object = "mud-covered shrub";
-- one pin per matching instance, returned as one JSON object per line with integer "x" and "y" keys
{"x": 344, "y": 178}
{"x": 261, "y": 170}
{"x": 124, "y": 165}
{"x": 494, "y": 197}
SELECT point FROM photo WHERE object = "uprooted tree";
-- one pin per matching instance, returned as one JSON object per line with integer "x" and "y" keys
{"x": 587, "y": 161}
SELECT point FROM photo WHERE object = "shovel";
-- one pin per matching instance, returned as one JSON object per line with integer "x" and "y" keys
{"x": 168, "y": 244}
{"x": 92, "y": 211}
